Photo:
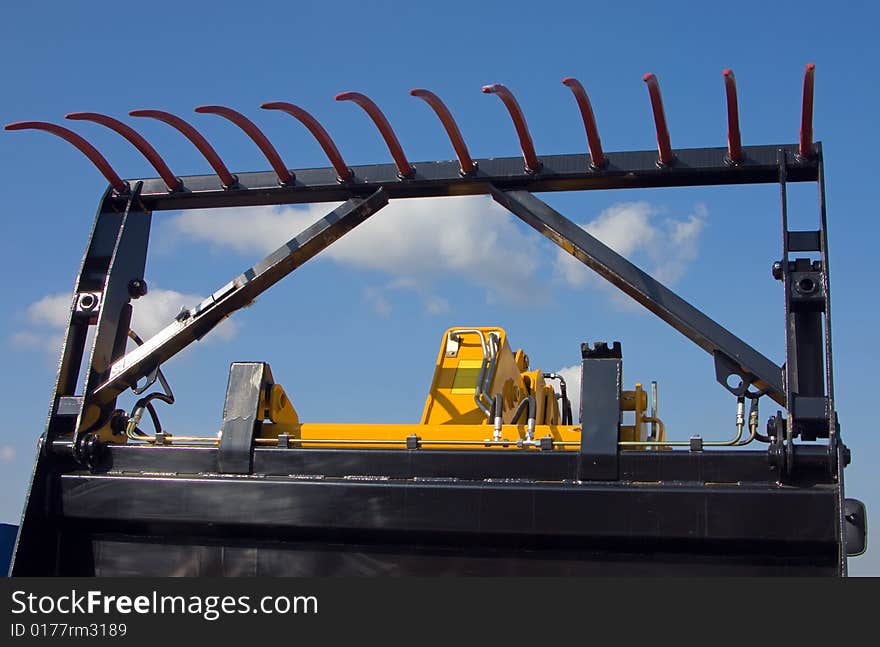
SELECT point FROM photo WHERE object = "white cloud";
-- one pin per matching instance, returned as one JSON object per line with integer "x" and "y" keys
{"x": 436, "y": 305}
{"x": 47, "y": 341}
{"x": 47, "y": 318}
{"x": 412, "y": 240}
{"x": 7, "y": 453}
{"x": 51, "y": 310}
{"x": 572, "y": 377}
{"x": 379, "y": 298}
{"x": 245, "y": 230}
{"x": 471, "y": 238}
{"x": 663, "y": 249}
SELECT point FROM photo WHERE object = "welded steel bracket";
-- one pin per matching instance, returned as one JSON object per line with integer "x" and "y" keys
{"x": 746, "y": 363}
{"x": 248, "y": 382}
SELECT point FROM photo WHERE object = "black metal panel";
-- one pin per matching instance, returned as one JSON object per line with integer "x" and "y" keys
{"x": 809, "y": 407}
{"x": 753, "y": 367}
{"x": 8, "y": 533}
{"x": 625, "y": 170}
{"x": 710, "y": 466}
{"x": 171, "y": 555}
{"x": 601, "y": 383}
{"x": 671, "y": 511}
{"x": 804, "y": 241}
{"x": 716, "y": 466}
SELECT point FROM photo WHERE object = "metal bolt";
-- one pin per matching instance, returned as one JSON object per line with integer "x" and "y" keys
{"x": 137, "y": 288}
{"x": 777, "y": 270}
{"x": 88, "y": 301}
{"x": 118, "y": 422}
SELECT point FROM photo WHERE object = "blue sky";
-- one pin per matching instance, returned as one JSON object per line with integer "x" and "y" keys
{"x": 353, "y": 336}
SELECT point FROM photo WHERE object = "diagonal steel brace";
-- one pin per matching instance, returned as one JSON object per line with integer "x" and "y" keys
{"x": 192, "y": 325}
{"x": 732, "y": 355}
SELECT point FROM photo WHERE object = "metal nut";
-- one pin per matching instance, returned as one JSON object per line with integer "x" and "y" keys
{"x": 88, "y": 301}
{"x": 137, "y": 288}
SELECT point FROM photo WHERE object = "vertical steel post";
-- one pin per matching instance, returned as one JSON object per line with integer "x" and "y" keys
{"x": 601, "y": 383}
{"x": 805, "y": 285}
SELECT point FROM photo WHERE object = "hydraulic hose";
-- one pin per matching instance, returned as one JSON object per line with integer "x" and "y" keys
{"x": 567, "y": 417}
{"x": 529, "y": 402}
{"x": 497, "y": 405}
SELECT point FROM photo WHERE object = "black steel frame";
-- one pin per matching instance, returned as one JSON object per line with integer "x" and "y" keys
{"x": 88, "y": 495}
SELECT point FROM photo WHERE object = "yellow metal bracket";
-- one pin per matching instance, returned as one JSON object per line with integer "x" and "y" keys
{"x": 278, "y": 409}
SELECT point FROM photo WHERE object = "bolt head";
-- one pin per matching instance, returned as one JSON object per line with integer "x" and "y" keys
{"x": 777, "y": 270}
{"x": 88, "y": 302}
{"x": 137, "y": 288}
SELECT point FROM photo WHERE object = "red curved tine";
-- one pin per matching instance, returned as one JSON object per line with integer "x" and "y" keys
{"x": 597, "y": 157}
{"x": 251, "y": 130}
{"x": 403, "y": 166}
{"x": 464, "y": 157}
{"x": 664, "y": 147}
{"x": 806, "y": 144}
{"x": 342, "y": 170}
{"x": 81, "y": 144}
{"x": 734, "y": 139}
{"x": 533, "y": 164}
{"x": 171, "y": 181}
{"x": 227, "y": 178}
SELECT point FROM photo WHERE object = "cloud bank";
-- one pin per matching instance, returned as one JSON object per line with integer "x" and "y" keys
{"x": 415, "y": 243}
{"x": 664, "y": 249}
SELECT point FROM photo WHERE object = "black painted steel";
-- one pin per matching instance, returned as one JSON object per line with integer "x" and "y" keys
{"x": 38, "y": 531}
{"x": 127, "y": 264}
{"x": 599, "y": 510}
{"x": 807, "y": 300}
{"x": 413, "y": 527}
{"x": 172, "y": 555}
{"x": 625, "y": 170}
{"x": 634, "y": 465}
{"x": 116, "y": 255}
{"x": 601, "y": 384}
{"x": 753, "y": 367}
